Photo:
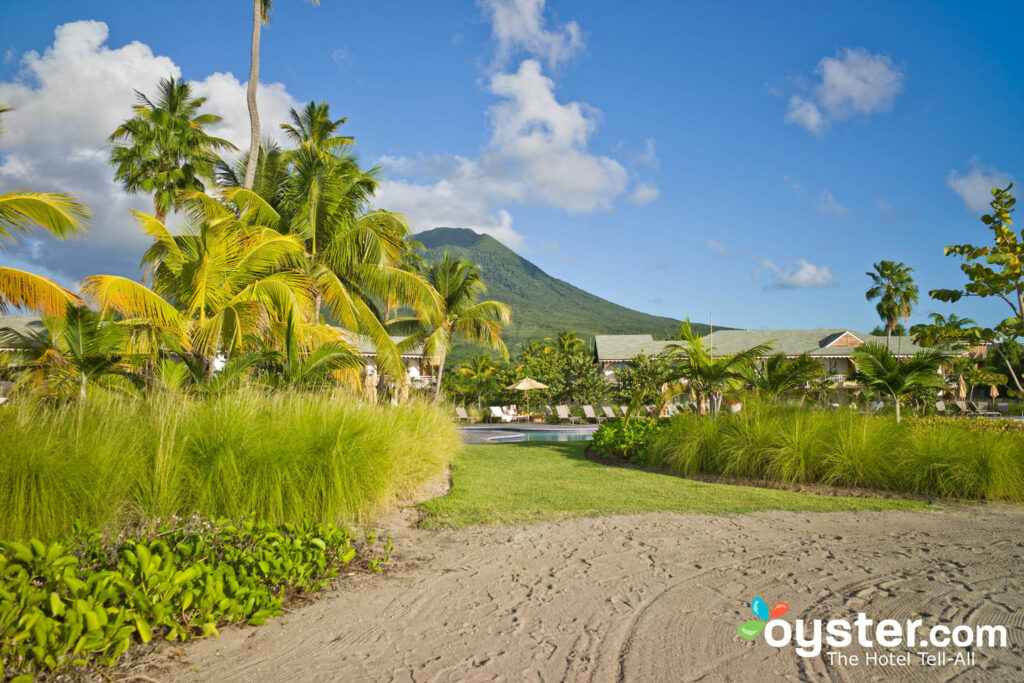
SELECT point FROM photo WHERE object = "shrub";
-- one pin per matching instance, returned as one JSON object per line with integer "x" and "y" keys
{"x": 940, "y": 456}
{"x": 111, "y": 462}
{"x": 623, "y": 439}
{"x": 85, "y": 602}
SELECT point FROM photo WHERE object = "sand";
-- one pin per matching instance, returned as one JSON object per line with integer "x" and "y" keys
{"x": 653, "y": 597}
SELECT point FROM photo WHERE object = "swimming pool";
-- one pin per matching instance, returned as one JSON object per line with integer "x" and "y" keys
{"x": 542, "y": 435}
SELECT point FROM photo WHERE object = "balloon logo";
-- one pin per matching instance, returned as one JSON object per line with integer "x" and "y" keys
{"x": 759, "y": 607}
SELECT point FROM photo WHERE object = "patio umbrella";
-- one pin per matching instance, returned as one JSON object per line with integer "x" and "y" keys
{"x": 961, "y": 389}
{"x": 370, "y": 387}
{"x": 993, "y": 391}
{"x": 403, "y": 389}
{"x": 526, "y": 385}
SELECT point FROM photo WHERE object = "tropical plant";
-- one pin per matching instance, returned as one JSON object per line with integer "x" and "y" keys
{"x": 646, "y": 380}
{"x": 878, "y": 369}
{"x": 708, "y": 377}
{"x": 896, "y": 292}
{"x": 21, "y": 211}
{"x": 462, "y": 314}
{"x": 228, "y": 279}
{"x": 260, "y": 15}
{"x": 298, "y": 366}
{"x": 164, "y": 150}
{"x": 567, "y": 342}
{"x": 480, "y": 373}
{"x": 776, "y": 375}
{"x": 69, "y": 353}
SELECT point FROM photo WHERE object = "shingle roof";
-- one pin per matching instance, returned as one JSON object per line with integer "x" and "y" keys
{"x": 798, "y": 342}
{"x": 21, "y": 324}
{"x": 620, "y": 347}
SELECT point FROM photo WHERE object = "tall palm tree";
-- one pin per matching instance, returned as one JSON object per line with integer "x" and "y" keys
{"x": 567, "y": 342}
{"x": 356, "y": 256}
{"x": 708, "y": 376}
{"x": 223, "y": 283}
{"x": 879, "y": 369}
{"x": 164, "y": 149}
{"x": 260, "y": 15}
{"x": 777, "y": 375}
{"x": 461, "y": 314}
{"x": 896, "y": 292}
{"x": 21, "y": 211}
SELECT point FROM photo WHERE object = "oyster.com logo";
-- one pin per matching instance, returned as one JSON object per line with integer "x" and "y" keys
{"x": 759, "y": 607}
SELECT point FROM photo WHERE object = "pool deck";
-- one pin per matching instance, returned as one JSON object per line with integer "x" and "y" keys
{"x": 495, "y": 432}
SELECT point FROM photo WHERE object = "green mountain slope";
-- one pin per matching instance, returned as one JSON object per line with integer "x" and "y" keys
{"x": 541, "y": 305}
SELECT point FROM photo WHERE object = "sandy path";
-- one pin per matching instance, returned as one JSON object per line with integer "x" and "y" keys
{"x": 652, "y": 597}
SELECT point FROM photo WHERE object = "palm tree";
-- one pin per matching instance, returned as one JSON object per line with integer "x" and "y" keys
{"x": 568, "y": 342}
{"x": 461, "y": 314}
{"x": 356, "y": 256}
{"x": 219, "y": 286}
{"x": 20, "y": 212}
{"x": 896, "y": 292}
{"x": 70, "y": 352}
{"x": 299, "y": 364}
{"x": 879, "y": 369}
{"x": 260, "y": 15}
{"x": 777, "y": 375}
{"x": 164, "y": 149}
{"x": 480, "y": 371}
{"x": 707, "y": 376}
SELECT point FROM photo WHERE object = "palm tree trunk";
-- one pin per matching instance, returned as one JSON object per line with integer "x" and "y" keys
{"x": 897, "y": 410}
{"x": 440, "y": 374}
{"x": 254, "y": 77}
{"x": 158, "y": 213}
{"x": 888, "y": 334}
{"x": 81, "y": 388}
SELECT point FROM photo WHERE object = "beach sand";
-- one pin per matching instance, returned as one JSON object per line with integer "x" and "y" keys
{"x": 653, "y": 597}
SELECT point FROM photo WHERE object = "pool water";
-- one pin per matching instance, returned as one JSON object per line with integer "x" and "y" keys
{"x": 537, "y": 435}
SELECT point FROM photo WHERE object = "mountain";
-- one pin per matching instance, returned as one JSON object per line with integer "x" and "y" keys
{"x": 541, "y": 305}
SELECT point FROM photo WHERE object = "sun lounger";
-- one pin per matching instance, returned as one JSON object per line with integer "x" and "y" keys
{"x": 565, "y": 415}
{"x": 984, "y": 412}
{"x": 608, "y": 412}
{"x": 625, "y": 410}
{"x": 962, "y": 407}
{"x": 498, "y": 414}
{"x": 588, "y": 412}
{"x": 460, "y": 413}
{"x": 940, "y": 408}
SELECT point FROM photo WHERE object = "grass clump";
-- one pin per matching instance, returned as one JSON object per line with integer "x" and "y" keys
{"x": 555, "y": 481}
{"x": 280, "y": 456}
{"x": 953, "y": 458}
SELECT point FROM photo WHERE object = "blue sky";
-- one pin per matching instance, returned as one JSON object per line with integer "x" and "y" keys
{"x": 752, "y": 159}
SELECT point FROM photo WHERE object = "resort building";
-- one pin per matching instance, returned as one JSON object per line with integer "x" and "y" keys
{"x": 830, "y": 347}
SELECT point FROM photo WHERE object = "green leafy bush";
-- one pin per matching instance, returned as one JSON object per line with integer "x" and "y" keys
{"x": 86, "y": 601}
{"x": 940, "y": 456}
{"x": 623, "y": 439}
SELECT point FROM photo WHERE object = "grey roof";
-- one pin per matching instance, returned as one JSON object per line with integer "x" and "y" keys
{"x": 799, "y": 342}
{"x": 21, "y": 323}
{"x": 620, "y": 347}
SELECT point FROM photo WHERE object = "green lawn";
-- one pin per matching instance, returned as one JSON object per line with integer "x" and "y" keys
{"x": 509, "y": 483}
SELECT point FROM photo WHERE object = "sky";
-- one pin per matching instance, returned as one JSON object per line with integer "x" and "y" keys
{"x": 745, "y": 160}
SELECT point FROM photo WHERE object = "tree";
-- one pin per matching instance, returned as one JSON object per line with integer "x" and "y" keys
{"x": 70, "y": 353}
{"x": 878, "y": 369}
{"x": 777, "y": 375}
{"x": 945, "y": 333}
{"x": 299, "y": 365}
{"x": 260, "y": 15}
{"x": 584, "y": 381}
{"x": 568, "y": 342}
{"x": 896, "y": 292}
{"x": 1001, "y": 275}
{"x": 22, "y": 211}
{"x": 164, "y": 149}
{"x": 224, "y": 282}
{"x": 708, "y": 377}
{"x": 880, "y": 331}
{"x": 459, "y": 284}
{"x": 642, "y": 380}
{"x": 480, "y": 373}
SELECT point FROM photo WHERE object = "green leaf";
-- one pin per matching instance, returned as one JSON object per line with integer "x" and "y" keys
{"x": 145, "y": 633}
{"x": 750, "y": 629}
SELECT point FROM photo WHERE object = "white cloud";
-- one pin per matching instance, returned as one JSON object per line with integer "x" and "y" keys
{"x": 649, "y": 157}
{"x": 343, "y": 58}
{"x": 644, "y": 193}
{"x": 720, "y": 247}
{"x": 975, "y": 186}
{"x": 67, "y": 101}
{"x": 854, "y": 82}
{"x": 828, "y": 205}
{"x": 806, "y": 114}
{"x": 799, "y": 275}
{"x": 519, "y": 26}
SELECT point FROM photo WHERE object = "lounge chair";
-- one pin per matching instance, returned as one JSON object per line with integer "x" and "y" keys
{"x": 984, "y": 412}
{"x": 460, "y": 413}
{"x": 516, "y": 416}
{"x": 962, "y": 407}
{"x": 588, "y": 412}
{"x": 565, "y": 415}
{"x": 940, "y": 408}
{"x": 499, "y": 414}
{"x": 1003, "y": 408}
{"x": 547, "y": 411}
{"x": 625, "y": 410}
{"x": 608, "y": 412}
